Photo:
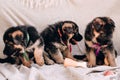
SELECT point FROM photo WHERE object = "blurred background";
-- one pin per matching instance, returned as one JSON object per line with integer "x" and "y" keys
{"x": 41, "y": 13}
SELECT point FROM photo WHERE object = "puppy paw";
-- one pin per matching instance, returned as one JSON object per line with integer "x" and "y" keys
{"x": 49, "y": 62}
{"x": 90, "y": 64}
{"x": 27, "y": 64}
{"x": 113, "y": 64}
{"x": 40, "y": 62}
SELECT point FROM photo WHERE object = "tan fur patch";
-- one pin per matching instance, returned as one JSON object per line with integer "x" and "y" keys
{"x": 35, "y": 45}
{"x": 38, "y": 54}
{"x": 110, "y": 58}
{"x": 60, "y": 46}
{"x": 89, "y": 43}
{"x": 47, "y": 59}
{"x": 18, "y": 32}
{"x": 19, "y": 47}
{"x": 96, "y": 34}
{"x": 70, "y": 36}
{"x": 65, "y": 50}
{"x": 92, "y": 59}
{"x": 98, "y": 20}
{"x": 68, "y": 54}
{"x": 25, "y": 62}
{"x": 67, "y": 25}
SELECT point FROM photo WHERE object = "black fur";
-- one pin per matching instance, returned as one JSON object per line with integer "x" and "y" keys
{"x": 29, "y": 37}
{"x": 104, "y": 27}
{"x": 56, "y": 34}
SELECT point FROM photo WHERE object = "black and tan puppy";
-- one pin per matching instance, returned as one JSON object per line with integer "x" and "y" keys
{"x": 57, "y": 38}
{"x": 98, "y": 41}
{"x": 17, "y": 39}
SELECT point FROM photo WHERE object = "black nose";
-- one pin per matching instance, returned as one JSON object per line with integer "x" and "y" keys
{"x": 78, "y": 37}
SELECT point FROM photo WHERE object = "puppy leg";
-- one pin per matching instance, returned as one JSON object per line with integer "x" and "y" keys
{"x": 65, "y": 50}
{"x": 21, "y": 57}
{"x": 48, "y": 61}
{"x": 57, "y": 56}
{"x": 68, "y": 54}
{"x": 91, "y": 59}
{"x": 54, "y": 52}
{"x": 25, "y": 62}
{"x": 111, "y": 58}
{"x": 38, "y": 54}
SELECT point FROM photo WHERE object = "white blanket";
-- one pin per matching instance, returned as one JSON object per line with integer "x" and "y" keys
{"x": 40, "y": 13}
{"x": 57, "y": 72}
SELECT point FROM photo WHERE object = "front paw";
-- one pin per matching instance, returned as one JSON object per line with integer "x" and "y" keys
{"x": 91, "y": 64}
{"x": 27, "y": 64}
{"x": 40, "y": 62}
{"x": 49, "y": 62}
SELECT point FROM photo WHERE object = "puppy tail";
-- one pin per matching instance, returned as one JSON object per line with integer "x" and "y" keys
{"x": 8, "y": 60}
{"x": 80, "y": 57}
{"x": 116, "y": 53}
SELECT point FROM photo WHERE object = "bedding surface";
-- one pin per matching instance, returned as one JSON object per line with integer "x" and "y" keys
{"x": 40, "y": 13}
{"x": 57, "y": 72}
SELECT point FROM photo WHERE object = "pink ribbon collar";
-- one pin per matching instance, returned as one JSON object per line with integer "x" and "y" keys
{"x": 97, "y": 47}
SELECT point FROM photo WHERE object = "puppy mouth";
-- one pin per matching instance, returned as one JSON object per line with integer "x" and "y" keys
{"x": 74, "y": 41}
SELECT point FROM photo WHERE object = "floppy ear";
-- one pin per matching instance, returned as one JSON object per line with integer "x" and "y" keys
{"x": 59, "y": 25}
{"x": 88, "y": 31}
{"x": 8, "y": 37}
{"x": 110, "y": 21}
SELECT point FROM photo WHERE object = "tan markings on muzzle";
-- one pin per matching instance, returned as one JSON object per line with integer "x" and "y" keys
{"x": 96, "y": 34}
{"x": 98, "y": 20}
{"x": 65, "y": 25}
{"x": 68, "y": 25}
{"x": 70, "y": 35}
{"x": 18, "y": 32}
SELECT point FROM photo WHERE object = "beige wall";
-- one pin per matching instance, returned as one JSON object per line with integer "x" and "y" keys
{"x": 40, "y": 13}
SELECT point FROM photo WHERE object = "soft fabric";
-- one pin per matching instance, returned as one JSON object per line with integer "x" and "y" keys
{"x": 57, "y": 72}
{"x": 40, "y": 13}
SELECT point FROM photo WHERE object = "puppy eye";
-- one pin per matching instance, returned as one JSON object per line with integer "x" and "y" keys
{"x": 102, "y": 34}
{"x": 68, "y": 30}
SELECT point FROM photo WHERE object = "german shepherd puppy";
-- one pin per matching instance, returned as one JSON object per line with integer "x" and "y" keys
{"x": 98, "y": 41}
{"x": 57, "y": 39}
{"x": 19, "y": 40}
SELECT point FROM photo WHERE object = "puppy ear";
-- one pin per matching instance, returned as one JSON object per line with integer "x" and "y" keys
{"x": 59, "y": 24}
{"x": 111, "y": 22}
{"x": 10, "y": 36}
